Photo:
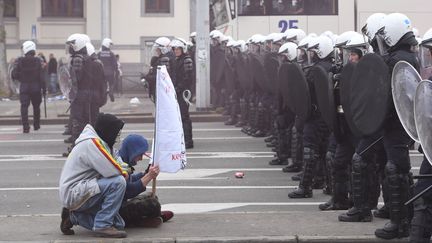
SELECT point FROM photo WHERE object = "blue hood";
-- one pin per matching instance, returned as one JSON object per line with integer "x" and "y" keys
{"x": 133, "y": 146}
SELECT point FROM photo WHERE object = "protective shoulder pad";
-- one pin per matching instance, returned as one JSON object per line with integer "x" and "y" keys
{"x": 188, "y": 64}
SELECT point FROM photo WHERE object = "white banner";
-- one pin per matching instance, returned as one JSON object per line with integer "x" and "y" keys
{"x": 168, "y": 147}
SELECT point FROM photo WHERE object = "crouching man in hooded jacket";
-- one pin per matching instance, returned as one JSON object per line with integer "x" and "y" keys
{"x": 92, "y": 182}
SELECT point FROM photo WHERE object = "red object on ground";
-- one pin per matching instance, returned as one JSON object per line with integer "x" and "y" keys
{"x": 239, "y": 175}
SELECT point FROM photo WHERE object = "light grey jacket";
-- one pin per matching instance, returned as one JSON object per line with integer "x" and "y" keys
{"x": 88, "y": 161}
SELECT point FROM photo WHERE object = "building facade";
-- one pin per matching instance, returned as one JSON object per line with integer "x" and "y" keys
{"x": 132, "y": 25}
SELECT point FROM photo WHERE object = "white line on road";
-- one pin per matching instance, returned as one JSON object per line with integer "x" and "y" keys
{"x": 159, "y": 187}
{"x": 18, "y": 130}
{"x": 61, "y": 140}
{"x": 190, "y": 155}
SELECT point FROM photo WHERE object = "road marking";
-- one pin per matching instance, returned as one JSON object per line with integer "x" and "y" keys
{"x": 18, "y": 130}
{"x": 208, "y": 208}
{"x": 149, "y": 139}
{"x": 190, "y": 155}
{"x": 160, "y": 187}
{"x": 196, "y": 208}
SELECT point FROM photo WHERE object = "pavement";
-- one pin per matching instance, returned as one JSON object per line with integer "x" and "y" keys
{"x": 209, "y": 203}
{"x": 132, "y": 108}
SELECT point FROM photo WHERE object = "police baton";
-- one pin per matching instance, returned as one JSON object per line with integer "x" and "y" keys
{"x": 44, "y": 95}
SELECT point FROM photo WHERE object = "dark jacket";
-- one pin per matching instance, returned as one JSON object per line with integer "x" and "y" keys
{"x": 52, "y": 66}
{"x": 402, "y": 51}
{"x": 28, "y": 71}
{"x": 183, "y": 73}
{"x": 93, "y": 80}
{"x": 109, "y": 61}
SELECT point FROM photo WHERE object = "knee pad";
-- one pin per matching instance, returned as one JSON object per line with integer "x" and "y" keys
{"x": 358, "y": 164}
{"x": 391, "y": 170}
{"x": 307, "y": 153}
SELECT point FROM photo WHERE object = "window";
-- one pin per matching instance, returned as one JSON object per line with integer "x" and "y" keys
{"x": 157, "y": 6}
{"x": 10, "y": 8}
{"x": 218, "y": 13}
{"x": 63, "y": 8}
{"x": 287, "y": 7}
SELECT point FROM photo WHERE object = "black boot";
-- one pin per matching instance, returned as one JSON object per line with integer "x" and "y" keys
{"x": 66, "y": 224}
{"x": 260, "y": 122}
{"x": 301, "y": 192}
{"x": 296, "y": 153}
{"x": 382, "y": 212}
{"x": 305, "y": 187}
{"x": 243, "y": 113}
{"x": 278, "y": 161}
{"x": 292, "y": 168}
{"x": 356, "y": 215}
{"x": 297, "y": 177}
{"x": 361, "y": 211}
{"x": 398, "y": 185}
{"x": 393, "y": 230}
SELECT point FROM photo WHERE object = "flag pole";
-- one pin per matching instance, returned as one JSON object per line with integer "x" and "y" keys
{"x": 154, "y": 134}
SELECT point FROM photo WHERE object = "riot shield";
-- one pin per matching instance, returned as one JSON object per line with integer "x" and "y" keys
{"x": 243, "y": 72}
{"x": 271, "y": 66}
{"x": 282, "y": 84}
{"x": 368, "y": 95}
{"x": 230, "y": 77}
{"x": 258, "y": 72}
{"x": 295, "y": 90}
{"x": 13, "y": 83}
{"x": 324, "y": 93}
{"x": 344, "y": 88}
{"x": 423, "y": 116}
{"x": 65, "y": 81}
{"x": 217, "y": 63}
{"x": 404, "y": 84}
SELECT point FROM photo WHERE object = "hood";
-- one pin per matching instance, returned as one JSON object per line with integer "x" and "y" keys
{"x": 87, "y": 133}
{"x": 108, "y": 126}
{"x": 133, "y": 146}
{"x": 406, "y": 42}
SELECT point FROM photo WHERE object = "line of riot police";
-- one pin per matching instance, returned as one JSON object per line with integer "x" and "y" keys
{"x": 326, "y": 102}
{"x": 176, "y": 55}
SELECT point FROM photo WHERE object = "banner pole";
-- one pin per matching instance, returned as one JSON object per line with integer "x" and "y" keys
{"x": 154, "y": 132}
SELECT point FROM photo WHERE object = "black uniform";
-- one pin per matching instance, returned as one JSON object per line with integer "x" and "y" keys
{"x": 91, "y": 92}
{"x": 183, "y": 73}
{"x": 110, "y": 68}
{"x": 315, "y": 141}
{"x": 421, "y": 223}
{"x": 163, "y": 59}
{"x": 396, "y": 144}
{"x": 28, "y": 70}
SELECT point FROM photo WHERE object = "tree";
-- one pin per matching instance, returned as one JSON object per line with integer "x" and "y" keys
{"x": 4, "y": 87}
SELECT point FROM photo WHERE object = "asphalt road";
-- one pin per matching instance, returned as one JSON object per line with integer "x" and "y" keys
{"x": 31, "y": 166}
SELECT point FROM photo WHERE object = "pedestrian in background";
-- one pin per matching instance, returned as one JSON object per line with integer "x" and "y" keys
{"x": 52, "y": 73}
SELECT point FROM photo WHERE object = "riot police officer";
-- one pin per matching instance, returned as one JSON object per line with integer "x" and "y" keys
{"x": 316, "y": 132}
{"x": 162, "y": 55}
{"x": 397, "y": 40}
{"x": 88, "y": 73}
{"x": 110, "y": 65}
{"x": 28, "y": 70}
{"x": 421, "y": 223}
{"x": 183, "y": 77}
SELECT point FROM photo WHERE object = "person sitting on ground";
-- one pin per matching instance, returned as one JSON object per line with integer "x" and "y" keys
{"x": 92, "y": 183}
{"x": 139, "y": 209}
